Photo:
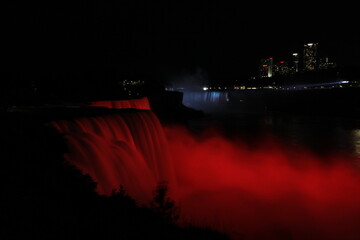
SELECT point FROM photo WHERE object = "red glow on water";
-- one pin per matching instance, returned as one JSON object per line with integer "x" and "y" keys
{"x": 266, "y": 192}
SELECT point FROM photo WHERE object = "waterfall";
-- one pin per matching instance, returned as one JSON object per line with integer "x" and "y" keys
{"x": 140, "y": 103}
{"x": 125, "y": 148}
{"x": 262, "y": 192}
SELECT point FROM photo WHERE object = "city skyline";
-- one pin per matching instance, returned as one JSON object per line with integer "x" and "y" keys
{"x": 106, "y": 42}
{"x": 307, "y": 59}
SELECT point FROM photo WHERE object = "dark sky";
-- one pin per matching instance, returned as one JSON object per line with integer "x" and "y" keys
{"x": 144, "y": 37}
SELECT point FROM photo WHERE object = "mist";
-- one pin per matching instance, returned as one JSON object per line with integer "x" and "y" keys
{"x": 188, "y": 80}
{"x": 267, "y": 191}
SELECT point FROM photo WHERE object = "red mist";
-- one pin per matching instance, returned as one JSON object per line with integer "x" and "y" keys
{"x": 265, "y": 192}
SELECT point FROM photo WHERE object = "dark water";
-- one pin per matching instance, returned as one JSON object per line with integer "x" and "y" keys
{"x": 321, "y": 132}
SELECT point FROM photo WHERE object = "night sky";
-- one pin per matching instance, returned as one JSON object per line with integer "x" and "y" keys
{"x": 223, "y": 38}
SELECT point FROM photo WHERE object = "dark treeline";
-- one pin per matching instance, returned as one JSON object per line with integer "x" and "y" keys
{"x": 43, "y": 197}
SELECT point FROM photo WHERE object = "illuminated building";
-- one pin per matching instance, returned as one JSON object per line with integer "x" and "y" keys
{"x": 325, "y": 63}
{"x": 308, "y": 61}
{"x": 281, "y": 68}
{"x": 295, "y": 59}
{"x": 310, "y": 56}
{"x": 266, "y": 68}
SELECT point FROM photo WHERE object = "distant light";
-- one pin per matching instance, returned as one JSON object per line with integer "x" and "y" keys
{"x": 205, "y": 88}
{"x": 345, "y": 82}
{"x": 281, "y": 61}
{"x": 295, "y": 54}
{"x": 270, "y": 58}
{"x": 264, "y": 65}
{"x": 310, "y": 44}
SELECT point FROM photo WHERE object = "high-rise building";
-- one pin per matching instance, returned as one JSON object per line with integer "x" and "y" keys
{"x": 282, "y": 68}
{"x": 310, "y": 56}
{"x": 295, "y": 60}
{"x": 266, "y": 67}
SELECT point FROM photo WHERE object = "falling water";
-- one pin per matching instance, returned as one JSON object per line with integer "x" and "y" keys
{"x": 128, "y": 149}
{"x": 140, "y": 103}
{"x": 270, "y": 191}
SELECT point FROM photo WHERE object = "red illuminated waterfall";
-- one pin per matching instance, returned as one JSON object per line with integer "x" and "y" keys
{"x": 128, "y": 149}
{"x": 140, "y": 103}
{"x": 270, "y": 191}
